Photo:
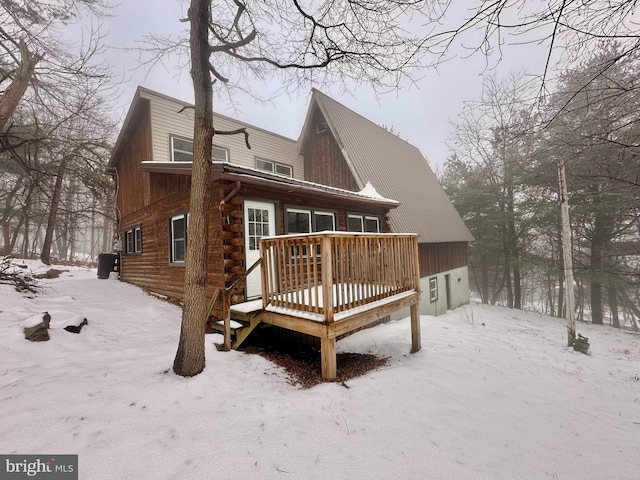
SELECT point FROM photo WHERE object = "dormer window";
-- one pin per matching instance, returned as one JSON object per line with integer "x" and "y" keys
{"x": 274, "y": 167}
{"x": 182, "y": 151}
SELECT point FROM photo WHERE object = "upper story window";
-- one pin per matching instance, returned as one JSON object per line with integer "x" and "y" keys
{"x": 321, "y": 127}
{"x": 274, "y": 167}
{"x": 363, "y": 223}
{"x": 133, "y": 238}
{"x": 220, "y": 154}
{"x": 182, "y": 151}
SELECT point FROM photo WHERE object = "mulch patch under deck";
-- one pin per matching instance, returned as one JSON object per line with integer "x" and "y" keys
{"x": 303, "y": 365}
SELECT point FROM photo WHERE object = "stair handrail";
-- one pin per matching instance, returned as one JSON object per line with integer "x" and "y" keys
{"x": 226, "y": 304}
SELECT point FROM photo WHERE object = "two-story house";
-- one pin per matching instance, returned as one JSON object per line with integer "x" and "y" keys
{"x": 344, "y": 174}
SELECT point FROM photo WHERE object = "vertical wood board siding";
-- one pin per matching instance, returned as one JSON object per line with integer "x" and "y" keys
{"x": 133, "y": 185}
{"x": 324, "y": 162}
{"x": 440, "y": 257}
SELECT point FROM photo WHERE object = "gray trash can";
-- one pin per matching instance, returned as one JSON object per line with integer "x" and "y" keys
{"x": 106, "y": 264}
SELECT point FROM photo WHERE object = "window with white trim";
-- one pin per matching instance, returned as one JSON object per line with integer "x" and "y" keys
{"x": 274, "y": 167}
{"x": 178, "y": 238}
{"x": 298, "y": 221}
{"x": 220, "y": 154}
{"x": 258, "y": 223}
{"x": 363, "y": 223}
{"x": 433, "y": 289}
{"x": 182, "y": 150}
{"x": 302, "y": 220}
{"x": 133, "y": 240}
{"x": 323, "y": 221}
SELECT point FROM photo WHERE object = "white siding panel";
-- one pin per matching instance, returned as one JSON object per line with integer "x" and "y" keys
{"x": 166, "y": 121}
{"x": 459, "y": 282}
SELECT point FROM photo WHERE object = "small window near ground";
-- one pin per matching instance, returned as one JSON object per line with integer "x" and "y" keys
{"x": 133, "y": 240}
{"x": 178, "y": 238}
{"x": 433, "y": 289}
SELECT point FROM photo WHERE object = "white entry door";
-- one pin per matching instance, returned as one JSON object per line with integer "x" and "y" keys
{"x": 259, "y": 221}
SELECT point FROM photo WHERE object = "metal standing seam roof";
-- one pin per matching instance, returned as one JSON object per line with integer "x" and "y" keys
{"x": 396, "y": 169}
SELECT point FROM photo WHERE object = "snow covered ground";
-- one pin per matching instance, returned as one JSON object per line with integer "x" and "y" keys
{"x": 493, "y": 394}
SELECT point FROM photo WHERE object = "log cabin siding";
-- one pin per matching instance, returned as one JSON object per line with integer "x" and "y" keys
{"x": 324, "y": 162}
{"x": 151, "y": 269}
{"x": 166, "y": 121}
{"x": 440, "y": 257}
{"x": 340, "y": 206}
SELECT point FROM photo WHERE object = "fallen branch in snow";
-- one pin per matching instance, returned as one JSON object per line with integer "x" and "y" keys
{"x": 51, "y": 273}
{"x": 12, "y": 274}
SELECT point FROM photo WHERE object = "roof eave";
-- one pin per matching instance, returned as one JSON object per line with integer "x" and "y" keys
{"x": 226, "y": 171}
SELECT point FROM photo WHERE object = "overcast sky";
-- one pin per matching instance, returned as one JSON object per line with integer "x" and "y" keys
{"x": 420, "y": 113}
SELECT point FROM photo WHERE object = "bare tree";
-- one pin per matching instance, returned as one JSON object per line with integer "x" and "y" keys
{"x": 570, "y": 29}
{"x": 27, "y": 36}
{"x": 64, "y": 93}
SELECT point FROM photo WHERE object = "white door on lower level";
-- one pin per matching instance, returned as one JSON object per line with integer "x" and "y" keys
{"x": 259, "y": 221}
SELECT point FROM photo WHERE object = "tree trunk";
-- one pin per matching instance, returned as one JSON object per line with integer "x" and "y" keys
{"x": 484, "y": 272}
{"x": 515, "y": 264}
{"x": 45, "y": 255}
{"x": 567, "y": 253}
{"x": 613, "y": 304}
{"x": 190, "y": 358}
{"x": 561, "y": 313}
{"x": 8, "y": 215}
{"x": 14, "y": 92}
{"x": 598, "y": 241}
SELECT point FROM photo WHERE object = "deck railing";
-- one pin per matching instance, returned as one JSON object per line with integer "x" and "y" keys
{"x": 359, "y": 268}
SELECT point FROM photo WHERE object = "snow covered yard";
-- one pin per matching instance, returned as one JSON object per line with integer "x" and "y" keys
{"x": 493, "y": 394}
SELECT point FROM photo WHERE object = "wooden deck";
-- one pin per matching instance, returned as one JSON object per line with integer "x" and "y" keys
{"x": 369, "y": 277}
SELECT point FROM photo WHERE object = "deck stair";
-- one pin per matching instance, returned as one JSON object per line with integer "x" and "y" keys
{"x": 243, "y": 321}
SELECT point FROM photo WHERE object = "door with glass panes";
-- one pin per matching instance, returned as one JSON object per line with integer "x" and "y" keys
{"x": 259, "y": 221}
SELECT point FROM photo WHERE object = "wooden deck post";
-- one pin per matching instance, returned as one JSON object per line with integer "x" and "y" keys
{"x": 226, "y": 311}
{"x": 328, "y": 358}
{"x": 327, "y": 279}
{"x": 415, "y": 328}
